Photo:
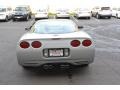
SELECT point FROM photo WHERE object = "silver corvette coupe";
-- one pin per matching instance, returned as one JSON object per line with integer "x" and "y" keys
{"x": 55, "y": 41}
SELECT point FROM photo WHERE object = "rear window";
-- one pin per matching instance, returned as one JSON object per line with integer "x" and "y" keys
{"x": 2, "y": 9}
{"x": 20, "y": 9}
{"x": 42, "y": 10}
{"x": 118, "y": 9}
{"x": 105, "y": 8}
{"x": 50, "y": 28}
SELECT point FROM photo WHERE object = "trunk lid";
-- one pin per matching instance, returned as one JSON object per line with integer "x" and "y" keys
{"x": 80, "y": 34}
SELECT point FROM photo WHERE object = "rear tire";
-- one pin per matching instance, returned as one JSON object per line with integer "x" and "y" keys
{"x": 26, "y": 67}
{"x": 88, "y": 18}
{"x": 109, "y": 17}
{"x": 92, "y": 15}
{"x": 27, "y": 18}
{"x": 78, "y": 17}
{"x": 98, "y": 16}
{"x": 117, "y": 16}
{"x": 36, "y": 19}
{"x": 13, "y": 20}
{"x": 30, "y": 17}
{"x": 6, "y": 19}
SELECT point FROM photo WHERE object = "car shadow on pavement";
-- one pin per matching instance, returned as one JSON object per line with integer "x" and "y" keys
{"x": 56, "y": 71}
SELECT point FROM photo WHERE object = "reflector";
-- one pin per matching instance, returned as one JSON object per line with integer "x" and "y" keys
{"x": 24, "y": 44}
{"x": 75, "y": 43}
{"x": 36, "y": 44}
{"x": 86, "y": 43}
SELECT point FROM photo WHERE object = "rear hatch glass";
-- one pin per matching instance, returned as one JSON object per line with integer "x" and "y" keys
{"x": 105, "y": 8}
{"x": 2, "y": 9}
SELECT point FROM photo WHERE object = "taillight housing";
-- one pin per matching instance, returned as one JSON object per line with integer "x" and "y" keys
{"x": 24, "y": 44}
{"x": 86, "y": 42}
{"x": 75, "y": 43}
{"x": 36, "y": 44}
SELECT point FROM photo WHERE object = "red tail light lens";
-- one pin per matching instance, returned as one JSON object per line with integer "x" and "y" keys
{"x": 36, "y": 44}
{"x": 86, "y": 43}
{"x": 24, "y": 44}
{"x": 75, "y": 43}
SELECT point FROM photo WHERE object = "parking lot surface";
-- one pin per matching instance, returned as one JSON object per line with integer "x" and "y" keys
{"x": 104, "y": 70}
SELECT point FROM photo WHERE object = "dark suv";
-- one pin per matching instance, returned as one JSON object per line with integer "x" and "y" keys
{"x": 22, "y": 12}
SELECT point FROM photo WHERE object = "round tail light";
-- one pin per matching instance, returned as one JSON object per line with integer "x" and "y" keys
{"x": 86, "y": 43}
{"x": 24, "y": 44}
{"x": 75, "y": 43}
{"x": 36, "y": 44}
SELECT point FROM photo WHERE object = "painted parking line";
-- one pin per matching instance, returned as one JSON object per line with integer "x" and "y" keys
{"x": 96, "y": 19}
{"x": 75, "y": 20}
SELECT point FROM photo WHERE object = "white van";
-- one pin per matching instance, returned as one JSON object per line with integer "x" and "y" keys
{"x": 5, "y": 13}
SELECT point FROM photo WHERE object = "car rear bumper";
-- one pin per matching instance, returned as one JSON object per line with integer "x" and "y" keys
{"x": 62, "y": 16}
{"x": 19, "y": 16}
{"x": 35, "y": 63}
{"x": 39, "y": 16}
{"x": 84, "y": 15}
{"x": 37, "y": 59}
{"x": 105, "y": 15}
{"x": 118, "y": 15}
{"x": 2, "y": 17}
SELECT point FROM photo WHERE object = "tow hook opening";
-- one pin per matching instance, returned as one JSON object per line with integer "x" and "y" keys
{"x": 57, "y": 66}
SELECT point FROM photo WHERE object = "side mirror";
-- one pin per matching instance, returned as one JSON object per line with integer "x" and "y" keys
{"x": 27, "y": 29}
{"x": 80, "y": 27}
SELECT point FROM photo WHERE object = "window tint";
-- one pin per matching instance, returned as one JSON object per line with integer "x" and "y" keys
{"x": 50, "y": 28}
{"x": 9, "y": 9}
{"x": 20, "y": 9}
{"x": 2, "y": 9}
{"x": 105, "y": 8}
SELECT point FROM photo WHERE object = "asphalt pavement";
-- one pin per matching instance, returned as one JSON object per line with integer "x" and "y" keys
{"x": 105, "y": 69}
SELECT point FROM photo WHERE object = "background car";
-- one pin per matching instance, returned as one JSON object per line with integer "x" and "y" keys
{"x": 5, "y": 13}
{"x": 54, "y": 41}
{"x": 100, "y": 12}
{"x": 116, "y": 12}
{"x": 41, "y": 13}
{"x": 22, "y": 12}
{"x": 83, "y": 13}
{"x": 62, "y": 13}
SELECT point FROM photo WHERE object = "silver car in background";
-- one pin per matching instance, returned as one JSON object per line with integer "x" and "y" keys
{"x": 100, "y": 12}
{"x": 116, "y": 12}
{"x": 41, "y": 14}
{"x": 55, "y": 41}
{"x": 83, "y": 13}
{"x": 62, "y": 13}
{"x": 5, "y": 13}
